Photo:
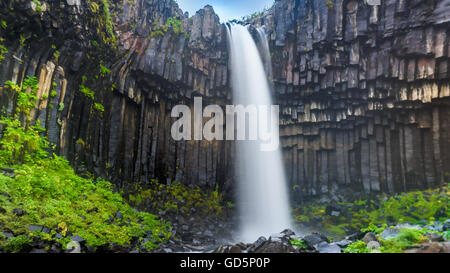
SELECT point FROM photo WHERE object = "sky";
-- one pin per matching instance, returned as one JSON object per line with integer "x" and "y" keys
{"x": 226, "y": 9}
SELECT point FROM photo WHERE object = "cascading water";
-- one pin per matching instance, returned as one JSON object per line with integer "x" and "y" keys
{"x": 263, "y": 199}
{"x": 265, "y": 52}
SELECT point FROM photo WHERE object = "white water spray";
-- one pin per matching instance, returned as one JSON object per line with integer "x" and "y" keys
{"x": 263, "y": 198}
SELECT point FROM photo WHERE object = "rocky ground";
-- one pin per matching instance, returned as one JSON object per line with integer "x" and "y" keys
{"x": 284, "y": 242}
{"x": 190, "y": 238}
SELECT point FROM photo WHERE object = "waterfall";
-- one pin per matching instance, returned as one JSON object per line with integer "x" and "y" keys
{"x": 262, "y": 194}
{"x": 265, "y": 52}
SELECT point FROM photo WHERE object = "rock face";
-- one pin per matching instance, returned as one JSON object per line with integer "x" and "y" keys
{"x": 364, "y": 90}
{"x": 157, "y": 57}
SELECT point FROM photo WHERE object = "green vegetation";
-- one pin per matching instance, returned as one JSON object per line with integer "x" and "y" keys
{"x": 99, "y": 107}
{"x": 54, "y": 196}
{"x": 103, "y": 22}
{"x": 87, "y": 92}
{"x": 357, "y": 247}
{"x": 405, "y": 239}
{"x": 3, "y": 51}
{"x": 172, "y": 23}
{"x": 412, "y": 207}
{"x": 178, "y": 197}
{"x": 38, "y": 5}
{"x": 50, "y": 194}
{"x": 299, "y": 243}
{"x": 21, "y": 141}
{"x": 104, "y": 70}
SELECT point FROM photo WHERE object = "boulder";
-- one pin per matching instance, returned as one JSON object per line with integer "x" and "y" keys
{"x": 389, "y": 233}
{"x": 314, "y": 239}
{"x": 373, "y": 245}
{"x": 370, "y": 236}
{"x": 19, "y": 212}
{"x": 325, "y": 247}
{"x": 343, "y": 243}
{"x": 73, "y": 247}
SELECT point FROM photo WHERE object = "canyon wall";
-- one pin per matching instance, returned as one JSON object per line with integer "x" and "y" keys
{"x": 122, "y": 132}
{"x": 364, "y": 90}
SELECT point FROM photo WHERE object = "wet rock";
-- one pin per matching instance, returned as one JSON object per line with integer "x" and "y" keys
{"x": 118, "y": 215}
{"x": 35, "y": 228}
{"x": 35, "y": 250}
{"x": 7, "y": 172}
{"x": 435, "y": 237}
{"x": 343, "y": 243}
{"x": 73, "y": 247}
{"x": 314, "y": 239}
{"x": 370, "y": 236}
{"x": 288, "y": 233}
{"x": 78, "y": 239}
{"x": 225, "y": 249}
{"x": 433, "y": 247}
{"x": 275, "y": 247}
{"x": 333, "y": 210}
{"x": 5, "y": 195}
{"x": 446, "y": 225}
{"x": 258, "y": 244}
{"x": 389, "y": 233}
{"x": 93, "y": 210}
{"x": 8, "y": 234}
{"x": 324, "y": 247}
{"x": 19, "y": 212}
{"x": 235, "y": 249}
{"x": 208, "y": 233}
{"x": 373, "y": 245}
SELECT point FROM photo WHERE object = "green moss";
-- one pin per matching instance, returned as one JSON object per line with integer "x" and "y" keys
{"x": 412, "y": 207}
{"x": 104, "y": 70}
{"x": 178, "y": 198}
{"x": 16, "y": 244}
{"x": 55, "y": 197}
{"x": 38, "y": 5}
{"x": 357, "y": 247}
{"x": 3, "y": 51}
{"x": 87, "y": 92}
{"x": 407, "y": 238}
{"x": 299, "y": 243}
{"x": 99, "y": 107}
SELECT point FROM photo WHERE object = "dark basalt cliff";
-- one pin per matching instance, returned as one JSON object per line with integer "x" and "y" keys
{"x": 365, "y": 93}
{"x": 364, "y": 89}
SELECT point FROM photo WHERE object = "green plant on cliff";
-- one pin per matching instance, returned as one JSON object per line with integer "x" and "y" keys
{"x": 87, "y": 92}
{"x": 3, "y": 51}
{"x": 21, "y": 142}
{"x": 38, "y": 5}
{"x": 103, "y": 21}
{"x": 171, "y": 23}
